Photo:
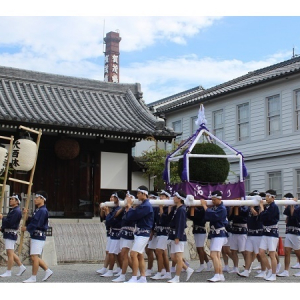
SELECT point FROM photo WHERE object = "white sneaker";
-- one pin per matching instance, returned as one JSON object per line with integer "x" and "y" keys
{"x": 142, "y": 279}
{"x": 48, "y": 274}
{"x": 278, "y": 268}
{"x": 271, "y": 278}
{"x": 245, "y": 273}
{"x": 226, "y": 269}
{"x": 117, "y": 270}
{"x": 234, "y": 270}
{"x": 269, "y": 273}
{"x": 258, "y": 267}
{"x": 209, "y": 266}
{"x": 148, "y": 272}
{"x": 22, "y": 269}
{"x": 6, "y": 274}
{"x": 108, "y": 273}
{"x": 297, "y": 274}
{"x": 215, "y": 278}
{"x": 173, "y": 269}
{"x": 189, "y": 272}
{"x": 30, "y": 279}
{"x": 174, "y": 280}
{"x": 262, "y": 274}
{"x": 200, "y": 269}
{"x": 119, "y": 273}
{"x": 131, "y": 280}
{"x": 285, "y": 273}
{"x": 121, "y": 278}
{"x": 101, "y": 271}
{"x": 167, "y": 276}
{"x": 163, "y": 272}
{"x": 296, "y": 266}
{"x": 156, "y": 276}
{"x": 222, "y": 278}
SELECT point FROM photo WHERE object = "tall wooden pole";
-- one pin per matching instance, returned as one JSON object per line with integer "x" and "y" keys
{"x": 6, "y": 170}
{"x": 25, "y": 213}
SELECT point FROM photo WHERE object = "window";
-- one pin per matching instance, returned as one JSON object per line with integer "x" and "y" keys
{"x": 177, "y": 128}
{"x": 298, "y": 183}
{"x": 194, "y": 127}
{"x": 218, "y": 124}
{"x": 297, "y": 111}
{"x": 273, "y": 115}
{"x": 275, "y": 184}
{"x": 243, "y": 121}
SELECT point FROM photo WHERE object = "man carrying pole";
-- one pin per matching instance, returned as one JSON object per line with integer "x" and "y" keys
{"x": 37, "y": 226}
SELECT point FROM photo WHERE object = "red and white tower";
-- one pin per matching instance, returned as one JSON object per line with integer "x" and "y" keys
{"x": 112, "y": 54}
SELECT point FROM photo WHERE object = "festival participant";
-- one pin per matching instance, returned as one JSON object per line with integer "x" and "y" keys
{"x": 115, "y": 225}
{"x": 37, "y": 226}
{"x": 226, "y": 252}
{"x": 296, "y": 214}
{"x": 197, "y": 214}
{"x": 292, "y": 235}
{"x": 255, "y": 228}
{"x": 103, "y": 219}
{"x": 10, "y": 226}
{"x": 269, "y": 216}
{"x": 238, "y": 235}
{"x": 151, "y": 246}
{"x": 217, "y": 216}
{"x": 143, "y": 215}
{"x": 162, "y": 229}
{"x": 177, "y": 235}
{"x": 126, "y": 238}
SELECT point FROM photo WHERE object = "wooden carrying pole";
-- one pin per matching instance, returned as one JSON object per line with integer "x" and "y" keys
{"x": 30, "y": 183}
{"x": 6, "y": 170}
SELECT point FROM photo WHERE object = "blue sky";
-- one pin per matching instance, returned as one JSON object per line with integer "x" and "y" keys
{"x": 167, "y": 54}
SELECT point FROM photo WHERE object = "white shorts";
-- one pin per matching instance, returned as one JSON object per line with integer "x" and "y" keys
{"x": 175, "y": 248}
{"x": 228, "y": 239}
{"x": 9, "y": 244}
{"x": 36, "y": 247}
{"x": 238, "y": 242}
{"x": 217, "y": 243}
{"x": 252, "y": 244}
{"x": 140, "y": 243}
{"x": 152, "y": 243}
{"x": 199, "y": 239}
{"x": 292, "y": 241}
{"x": 126, "y": 243}
{"x": 268, "y": 243}
{"x": 162, "y": 242}
{"x": 114, "y": 246}
{"x": 108, "y": 243}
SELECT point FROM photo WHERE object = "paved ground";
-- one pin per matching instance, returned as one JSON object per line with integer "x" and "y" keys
{"x": 86, "y": 273}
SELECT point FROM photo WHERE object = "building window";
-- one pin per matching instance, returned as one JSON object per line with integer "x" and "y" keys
{"x": 177, "y": 128}
{"x": 298, "y": 183}
{"x": 194, "y": 127}
{"x": 275, "y": 183}
{"x": 243, "y": 121}
{"x": 218, "y": 124}
{"x": 273, "y": 115}
{"x": 297, "y": 111}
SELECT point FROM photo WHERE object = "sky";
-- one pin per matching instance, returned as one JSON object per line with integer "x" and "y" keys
{"x": 166, "y": 49}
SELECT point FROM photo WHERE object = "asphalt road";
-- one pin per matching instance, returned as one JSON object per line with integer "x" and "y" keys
{"x": 86, "y": 273}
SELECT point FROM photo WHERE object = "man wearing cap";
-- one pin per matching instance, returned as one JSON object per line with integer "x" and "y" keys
{"x": 269, "y": 216}
{"x": 177, "y": 235}
{"x": 292, "y": 234}
{"x": 162, "y": 229}
{"x": 217, "y": 216}
{"x": 143, "y": 215}
{"x": 115, "y": 225}
{"x": 37, "y": 226}
{"x": 9, "y": 228}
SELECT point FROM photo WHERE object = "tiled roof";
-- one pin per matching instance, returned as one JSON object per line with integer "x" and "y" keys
{"x": 47, "y": 100}
{"x": 257, "y": 77}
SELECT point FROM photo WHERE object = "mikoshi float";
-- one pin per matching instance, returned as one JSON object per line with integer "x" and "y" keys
{"x": 195, "y": 190}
